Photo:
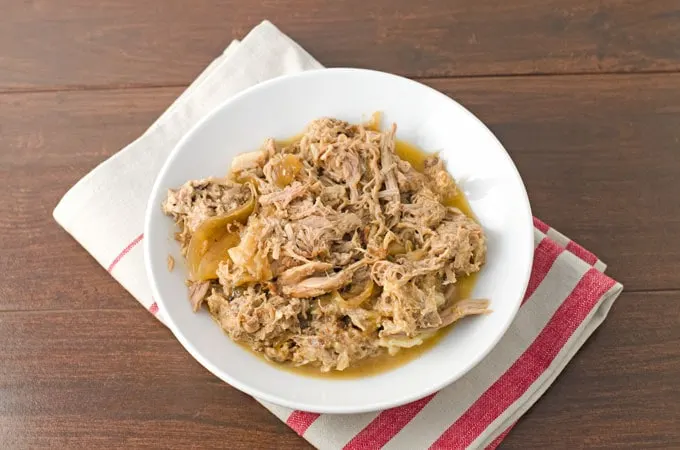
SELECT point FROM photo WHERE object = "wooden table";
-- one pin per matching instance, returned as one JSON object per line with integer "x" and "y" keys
{"x": 585, "y": 96}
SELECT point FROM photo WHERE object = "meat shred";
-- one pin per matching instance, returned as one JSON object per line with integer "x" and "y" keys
{"x": 350, "y": 252}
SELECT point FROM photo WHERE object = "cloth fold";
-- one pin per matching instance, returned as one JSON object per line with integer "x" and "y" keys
{"x": 568, "y": 296}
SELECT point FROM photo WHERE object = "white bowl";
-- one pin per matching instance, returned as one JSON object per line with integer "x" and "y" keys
{"x": 281, "y": 108}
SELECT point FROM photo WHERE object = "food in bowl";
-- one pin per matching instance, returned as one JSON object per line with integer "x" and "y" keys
{"x": 330, "y": 249}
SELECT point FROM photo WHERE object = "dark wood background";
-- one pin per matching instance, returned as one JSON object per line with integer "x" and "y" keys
{"x": 585, "y": 95}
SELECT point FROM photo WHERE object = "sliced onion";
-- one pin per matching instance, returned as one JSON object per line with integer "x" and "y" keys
{"x": 211, "y": 240}
{"x": 357, "y": 300}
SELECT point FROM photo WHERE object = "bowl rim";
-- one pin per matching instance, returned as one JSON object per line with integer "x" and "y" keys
{"x": 272, "y": 398}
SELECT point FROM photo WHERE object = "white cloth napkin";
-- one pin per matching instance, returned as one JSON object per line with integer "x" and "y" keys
{"x": 567, "y": 299}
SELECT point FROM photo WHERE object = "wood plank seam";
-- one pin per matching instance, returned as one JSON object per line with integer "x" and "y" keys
{"x": 114, "y": 87}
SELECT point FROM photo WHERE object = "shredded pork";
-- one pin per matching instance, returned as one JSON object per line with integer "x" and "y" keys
{"x": 348, "y": 253}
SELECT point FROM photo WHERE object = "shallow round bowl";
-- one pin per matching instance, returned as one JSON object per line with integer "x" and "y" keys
{"x": 281, "y": 108}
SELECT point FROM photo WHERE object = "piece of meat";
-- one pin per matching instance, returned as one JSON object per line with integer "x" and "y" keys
{"x": 285, "y": 196}
{"x": 333, "y": 195}
{"x": 197, "y": 293}
{"x": 462, "y": 308}
{"x": 343, "y": 166}
{"x": 296, "y": 274}
{"x": 316, "y": 286}
{"x": 387, "y": 160}
{"x": 314, "y": 235}
{"x": 440, "y": 179}
{"x": 424, "y": 210}
{"x": 408, "y": 178}
{"x": 198, "y": 200}
{"x": 250, "y": 160}
{"x": 316, "y": 221}
{"x": 252, "y": 255}
{"x": 388, "y": 163}
{"x": 362, "y": 319}
{"x": 253, "y": 315}
{"x": 461, "y": 241}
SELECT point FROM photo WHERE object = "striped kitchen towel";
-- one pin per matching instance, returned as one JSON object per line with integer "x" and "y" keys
{"x": 567, "y": 299}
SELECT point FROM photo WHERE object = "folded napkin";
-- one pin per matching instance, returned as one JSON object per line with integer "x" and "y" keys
{"x": 567, "y": 299}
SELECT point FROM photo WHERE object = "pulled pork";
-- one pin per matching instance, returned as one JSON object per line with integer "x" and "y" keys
{"x": 347, "y": 253}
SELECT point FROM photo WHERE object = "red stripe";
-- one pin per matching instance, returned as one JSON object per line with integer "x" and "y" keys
{"x": 299, "y": 421}
{"x": 125, "y": 251}
{"x": 496, "y": 442}
{"x": 153, "y": 309}
{"x": 386, "y": 425}
{"x": 581, "y": 253}
{"x": 538, "y": 223}
{"x": 533, "y": 362}
{"x": 544, "y": 256}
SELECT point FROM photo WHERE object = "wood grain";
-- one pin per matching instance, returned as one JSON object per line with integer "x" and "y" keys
{"x": 119, "y": 378}
{"x": 49, "y": 141}
{"x": 621, "y": 390}
{"x": 599, "y": 156}
{"x": 583, "y": 146}
{"x": 584, "y": 95}
{"x": 72, "y": 43}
